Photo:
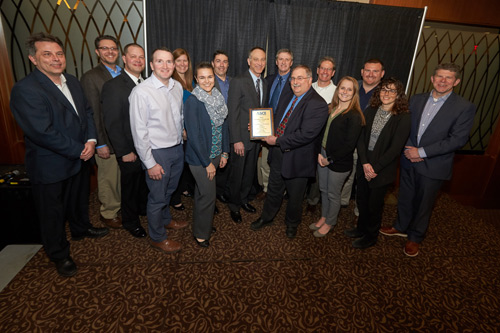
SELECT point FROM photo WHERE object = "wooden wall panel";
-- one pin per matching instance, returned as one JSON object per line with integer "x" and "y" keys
{"x": 477, "y": 12}
{"x": 11, "y": 136}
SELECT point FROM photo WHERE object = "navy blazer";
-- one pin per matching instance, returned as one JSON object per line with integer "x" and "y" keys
{"x": 55, "y": 135}
{"x": 385, "y": 154}
{"x": 199, "y": 133}
{"x": 115, "y": 111}
{"x": 286, "y": 92}
{"x": 241, "y": 98}
{"x": 447, "y": 132}
{"x": 299, "y": 142}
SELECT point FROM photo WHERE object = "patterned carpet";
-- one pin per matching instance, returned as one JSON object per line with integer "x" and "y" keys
{"x": 263, "y": 282}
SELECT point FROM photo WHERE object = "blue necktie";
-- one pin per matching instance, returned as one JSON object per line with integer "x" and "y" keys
{"x": 276, "y": 95}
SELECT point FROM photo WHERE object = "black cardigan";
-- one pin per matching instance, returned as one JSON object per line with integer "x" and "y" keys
{"x": 342, "y": 138}
{"x": 387, "y": 150}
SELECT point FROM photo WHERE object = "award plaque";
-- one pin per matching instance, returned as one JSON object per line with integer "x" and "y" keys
{"x": 261, "y": 123}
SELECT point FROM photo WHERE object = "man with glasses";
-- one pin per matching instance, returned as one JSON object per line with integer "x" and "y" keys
{"x": 294, "y": 150}
{"x": 108, "y": 172}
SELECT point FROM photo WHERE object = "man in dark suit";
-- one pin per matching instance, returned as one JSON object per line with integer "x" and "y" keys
{"x": 56, "y": 119}
{"x": 115, "y": 111}
{"x": 247, "y": 91}
{"x": 277, "y": 86}
{"x": 294, "y": 150}
{"x": 220, "y": 63}
{"x": 440, "y": 124}
{"x": 108, "y": 172}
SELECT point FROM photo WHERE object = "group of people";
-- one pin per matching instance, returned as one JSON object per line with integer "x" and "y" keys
{"x": 185, "y": 130}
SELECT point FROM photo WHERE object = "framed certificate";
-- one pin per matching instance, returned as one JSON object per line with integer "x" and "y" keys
{"x": 261, "y": 123}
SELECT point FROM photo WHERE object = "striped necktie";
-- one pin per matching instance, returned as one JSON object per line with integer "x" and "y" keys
{"x": 281, "y": 128}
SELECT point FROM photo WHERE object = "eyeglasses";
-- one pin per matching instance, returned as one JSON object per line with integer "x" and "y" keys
{"x": 300, "y": 78}
{"x": 105, "y": 48}
{"x": 326, "y": 69}
{"x": 388, "y": 91}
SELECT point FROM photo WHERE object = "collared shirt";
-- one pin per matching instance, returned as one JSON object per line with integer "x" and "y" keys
{"x": 254, "y": 78}
{"x": 325, "y": 92}
{"x": 133, "y": 77}
{"x": 284, "y": 81}
{"x": 113, "y": 72}
{"x": 364, "y": 97}
{"x": 290, "y": 104}
{"x": 65, "y": 90}
{"x": 156, "y": 117}
{"x": 224, "y": 86}
{"x": 430, "y": 110}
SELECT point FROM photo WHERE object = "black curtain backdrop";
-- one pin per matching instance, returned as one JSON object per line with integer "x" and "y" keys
{"x": 349, "y": 32}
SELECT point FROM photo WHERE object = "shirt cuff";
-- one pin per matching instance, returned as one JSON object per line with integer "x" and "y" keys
{"x": 92, "y": 140}
{"x": 421, "y": 152}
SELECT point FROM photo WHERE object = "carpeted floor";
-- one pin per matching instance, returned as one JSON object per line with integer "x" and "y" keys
{"x": 263, "y": 282}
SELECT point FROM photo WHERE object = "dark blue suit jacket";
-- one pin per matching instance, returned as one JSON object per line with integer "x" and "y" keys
{"x": 54, "y": 134}
{"x": 300, "y": 143}
{"x": 447, "y": 132}
{"x": 199, "y": 133}
{"x": 286, "y": 92}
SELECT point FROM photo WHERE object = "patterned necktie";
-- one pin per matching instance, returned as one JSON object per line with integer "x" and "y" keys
{"x": 281, "y": 128}
{"x": 257, "y": 87}
{"x": 276, "y": 94}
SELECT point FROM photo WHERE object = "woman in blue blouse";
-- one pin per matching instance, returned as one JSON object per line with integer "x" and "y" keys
{"x": 207, "y": 147}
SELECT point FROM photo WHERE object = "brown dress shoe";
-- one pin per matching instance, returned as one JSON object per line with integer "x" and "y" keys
{"x": 115, "y": 222}
{"x": 411, "y": 248}
{"x": 168, "y": 246}
{"x": 175, "y": 225}
{"x": 391, "y": 231}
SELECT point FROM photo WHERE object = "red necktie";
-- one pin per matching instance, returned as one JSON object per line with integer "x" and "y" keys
{"x": 281, "y": 128}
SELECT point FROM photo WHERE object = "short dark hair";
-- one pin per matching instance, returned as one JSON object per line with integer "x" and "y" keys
{"x": 41, "y": 37}
{"x": 217, "y": 52}
{"x": 201, "y": 65}
{"x": 449, "y": 66}
{"x": 304, "y": 67}
{"x": 125, "y": 49}
{"x": 401, "y": 102}
{"x": 284, "y": 51}
{"x": 255, "y": 48}
{"x": 374, "y": 61}
{"x": 104, "y": 37}
{"x": 327, "y": 58}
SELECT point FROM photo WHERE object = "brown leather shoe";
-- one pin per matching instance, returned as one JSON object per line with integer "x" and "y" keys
{"x": 115, "y": 222}
{"x": 175, "y": 225}
{"x": 391, "y": 231}
{"x": 168, "y": 246}
{"x": 411, "y": 248}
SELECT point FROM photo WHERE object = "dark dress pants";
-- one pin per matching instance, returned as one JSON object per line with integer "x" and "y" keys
{"x": 241, "y": 175}
{"x": 295, "y": 187}
{"x": 134, "y": 192}
{"x": 370, "y": 203}
{"x": 417, "y": 196}
{"x": 57, "y": 202}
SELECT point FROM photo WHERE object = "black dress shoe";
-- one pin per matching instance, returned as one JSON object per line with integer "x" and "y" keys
{"x": 291, "y": 232}
{"x": 248, "y": 208}
{"x": 353, "y": 233}
{"x": 216, "y": 210}
{"x": 205, "y": 243}
{"x": 91, "y": 232}
{"x": 364, "y": 242}
{"x": 236, "y": 216}
{"x": 66, "y": 267}
{"x": 181, "y": 207}
{"x": 222, "y": 198}
{"x": 259, "y": 224}
{"x": 138, "y": 232}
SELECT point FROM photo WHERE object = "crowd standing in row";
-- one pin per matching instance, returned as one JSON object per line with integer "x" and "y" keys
{"x": 194, "y": 125}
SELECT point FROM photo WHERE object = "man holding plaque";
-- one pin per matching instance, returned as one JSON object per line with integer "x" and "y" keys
{"x": 247, "y": 91}
{"x": 294, "y": 149}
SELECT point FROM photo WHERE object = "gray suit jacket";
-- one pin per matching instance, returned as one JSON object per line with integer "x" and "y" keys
{"x": 92, "y": 82}
{"x": 447, "y": 132}
{"x": 243, "y": 97}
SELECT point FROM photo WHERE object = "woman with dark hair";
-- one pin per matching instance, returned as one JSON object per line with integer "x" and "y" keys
{"x": 379, "y": 148}
{"x": 335, "y": 161}
{"x": 207, "y": 147}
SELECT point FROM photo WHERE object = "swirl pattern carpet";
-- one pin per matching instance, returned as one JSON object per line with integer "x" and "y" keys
{"x": 249, "y": 281}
